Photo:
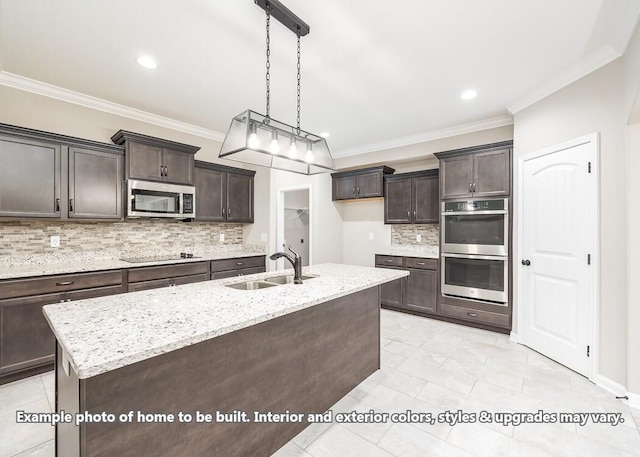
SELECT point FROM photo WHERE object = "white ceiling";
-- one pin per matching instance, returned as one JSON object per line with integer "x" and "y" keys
{"x": 374, "y": 74}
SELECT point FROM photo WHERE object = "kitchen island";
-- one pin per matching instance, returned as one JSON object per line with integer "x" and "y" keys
{"x": 210, "y": 349}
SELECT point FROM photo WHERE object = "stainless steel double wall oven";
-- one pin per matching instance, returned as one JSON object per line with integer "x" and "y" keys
{"x": 475, "y": 249}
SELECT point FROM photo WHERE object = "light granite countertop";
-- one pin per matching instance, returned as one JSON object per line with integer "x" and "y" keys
{"x": 106, "y": 333}
{"x": 427, "y": 252}
{"x": 54, "y": 265}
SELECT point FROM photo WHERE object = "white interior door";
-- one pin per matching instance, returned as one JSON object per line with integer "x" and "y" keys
{"x": 558, "y": 233}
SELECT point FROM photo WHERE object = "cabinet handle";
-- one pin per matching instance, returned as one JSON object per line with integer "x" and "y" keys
{"x": 223, "y": 211}
{"x": 71, "y": 205}
{"x": 408, "y": 214}
{"x": 420, "y": 263}
{"x": 470, "y": 187}
{"x": 64, "y": 283}
{"x": 161, "y": 170}
{"x": 229, "y": 212}
{"x": 474, "y": 187}
{"x": 57, "y": 204}
{"x": 388, "y": 260}
{"x": 166, "y": 171}
{"x": 472, "y": 314}
{"x": 239, "y": 263}
{"x": 414, "y": 213}
{"x": 353, "y": 191}
{"x": 358, "y": 191}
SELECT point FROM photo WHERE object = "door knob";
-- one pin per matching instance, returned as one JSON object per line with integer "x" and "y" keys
{"x": 526, "y": 263}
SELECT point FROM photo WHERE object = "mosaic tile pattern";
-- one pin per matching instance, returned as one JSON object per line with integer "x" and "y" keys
{"x": 406, "y": 234}
{"x": 23, "y": 239}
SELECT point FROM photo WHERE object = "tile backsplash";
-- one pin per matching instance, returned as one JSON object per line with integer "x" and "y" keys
{"x": 406, "y": 234}
{"x": 139, "y": 237}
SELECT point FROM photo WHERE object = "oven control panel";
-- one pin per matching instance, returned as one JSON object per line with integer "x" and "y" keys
{"x": 474, "y": 205}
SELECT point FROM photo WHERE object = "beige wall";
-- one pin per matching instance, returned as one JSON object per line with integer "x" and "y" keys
{"x": 633, "y": 254}
{"x": 592, "y": 104}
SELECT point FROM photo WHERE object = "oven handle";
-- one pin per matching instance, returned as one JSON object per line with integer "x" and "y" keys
{"x": 471, "y": 213}
{"x": 502, "y": 258}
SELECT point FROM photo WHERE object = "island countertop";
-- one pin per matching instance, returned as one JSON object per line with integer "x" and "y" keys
{"x": 106, "y": 333}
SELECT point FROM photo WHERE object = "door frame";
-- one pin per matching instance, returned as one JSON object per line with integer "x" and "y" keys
{"x": 592, "y": 196}
{"x": 280, "y": 221}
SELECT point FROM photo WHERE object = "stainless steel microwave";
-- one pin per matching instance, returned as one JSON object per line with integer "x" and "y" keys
{"x": 155, "y": 199}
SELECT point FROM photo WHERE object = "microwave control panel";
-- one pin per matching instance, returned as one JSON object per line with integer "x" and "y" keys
{"x": 187, "y": 203}
{"x": 475, "y": 205}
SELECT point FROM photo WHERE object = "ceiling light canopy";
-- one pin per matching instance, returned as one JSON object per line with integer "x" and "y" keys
{"x": 260, "y": 140}
{"x": 147, "y": 62}
{"x": 468, "y": 94}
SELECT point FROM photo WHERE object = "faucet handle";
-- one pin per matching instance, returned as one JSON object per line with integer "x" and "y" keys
{"x": 294, "y": 253}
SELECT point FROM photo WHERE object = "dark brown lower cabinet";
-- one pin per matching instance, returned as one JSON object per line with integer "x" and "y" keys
{"x": 145, "y": 278}
{"x": 241, "y": 266}
{"x": 417, "y": 292}
{"x": 27, "y": 343}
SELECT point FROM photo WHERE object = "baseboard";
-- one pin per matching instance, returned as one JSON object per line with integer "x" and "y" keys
{"x": 634, "y": 400}
{"x": 611, "y": 386}
{"x": 513, "y": 336}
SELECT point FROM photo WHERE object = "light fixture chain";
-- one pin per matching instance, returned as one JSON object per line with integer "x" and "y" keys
{"x": 268, "y": 75}
{"x": 298, "y": 34}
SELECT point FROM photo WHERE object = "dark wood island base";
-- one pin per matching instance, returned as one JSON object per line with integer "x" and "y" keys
{"x": 301, "y": 362}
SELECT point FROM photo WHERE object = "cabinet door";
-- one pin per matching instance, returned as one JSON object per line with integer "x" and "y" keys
{"x": 491, "y": 173}
{"x": 145, "y": 162}
{"x": 391, "y": 293}
{"x": 369, "y": 185}
{"x": 420, "y": 290}
{"x": 210, "y": 195}
{"x": 425, "y": 200}
{"x": 29, "y": 178}
{"x": 397, "y": 201}
{"x": 344, "y": 188}
{"x": 239, "y": 198}
{"x": 456, "y": 176}
{"x": 95, "y": 184}
{"x": 178, "y": 167}
{"x": 26, "y": 340}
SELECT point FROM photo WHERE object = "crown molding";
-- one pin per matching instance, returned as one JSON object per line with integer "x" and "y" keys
{"x": 87, "y": 101}
{"x": 427, "y": 136}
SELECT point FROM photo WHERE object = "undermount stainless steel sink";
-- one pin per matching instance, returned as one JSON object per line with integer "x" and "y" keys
{"x": 286, "y": 279}
{"x": 265, "y": 283}
{"x": 251, "y": 285}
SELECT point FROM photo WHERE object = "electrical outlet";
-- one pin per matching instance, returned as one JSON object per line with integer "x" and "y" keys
{"x": 419, "y": 238}
{"x": 370, "y": 235}
{"x": 263, "y": 237}
{"x": 55, "y": 241}
{"x": 222, "y": 237}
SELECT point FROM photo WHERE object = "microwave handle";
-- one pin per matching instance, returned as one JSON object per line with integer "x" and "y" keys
{"x": 471, "y": 213}
{"x": 476, "y": 257}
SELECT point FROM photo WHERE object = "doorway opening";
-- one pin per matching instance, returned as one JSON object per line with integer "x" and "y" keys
{"x": 294, "y": 224}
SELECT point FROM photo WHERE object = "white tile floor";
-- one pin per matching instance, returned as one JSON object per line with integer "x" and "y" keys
{"x": 431, "y": 367}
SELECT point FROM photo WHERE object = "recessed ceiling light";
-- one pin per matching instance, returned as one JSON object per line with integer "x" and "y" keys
{"x": 147, "y": 62}
{"x": 468, "y": 94}
{"x": 324, "y": 134}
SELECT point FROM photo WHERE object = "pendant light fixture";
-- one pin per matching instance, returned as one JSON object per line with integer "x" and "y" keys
{"x": 260, "y": 140}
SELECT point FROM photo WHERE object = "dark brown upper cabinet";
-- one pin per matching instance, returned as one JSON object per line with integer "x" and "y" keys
{"x": 95, "y": 184}
{"x": 45, "y": 175}
{"x": 223, "y": 194}
{"x": 155, "y": 159}
{"x": 480, "y": 171}
{"x": 362, "y": 183}
{"x": 411, "y": 198}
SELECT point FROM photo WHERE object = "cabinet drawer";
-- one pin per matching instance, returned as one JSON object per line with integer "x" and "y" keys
{"x": 420, "y": 263}
{"x": 58, "y": 283}
{"x": 469, "y": 314}
{"x": 237, "y": 264}
{"x": 191, "y": 279}
{"x": 93, "y": 293}
{"x": 167, "y": 271}
{"x": 388, "y": 260}
{"x": 146, "y": 285}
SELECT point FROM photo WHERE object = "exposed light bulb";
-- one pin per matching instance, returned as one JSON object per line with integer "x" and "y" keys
{"x": 293, "y": 150}
{"x": 275, "y": 144}
{"x": 309, "y": 155}
{"x": 252, "y": 141}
